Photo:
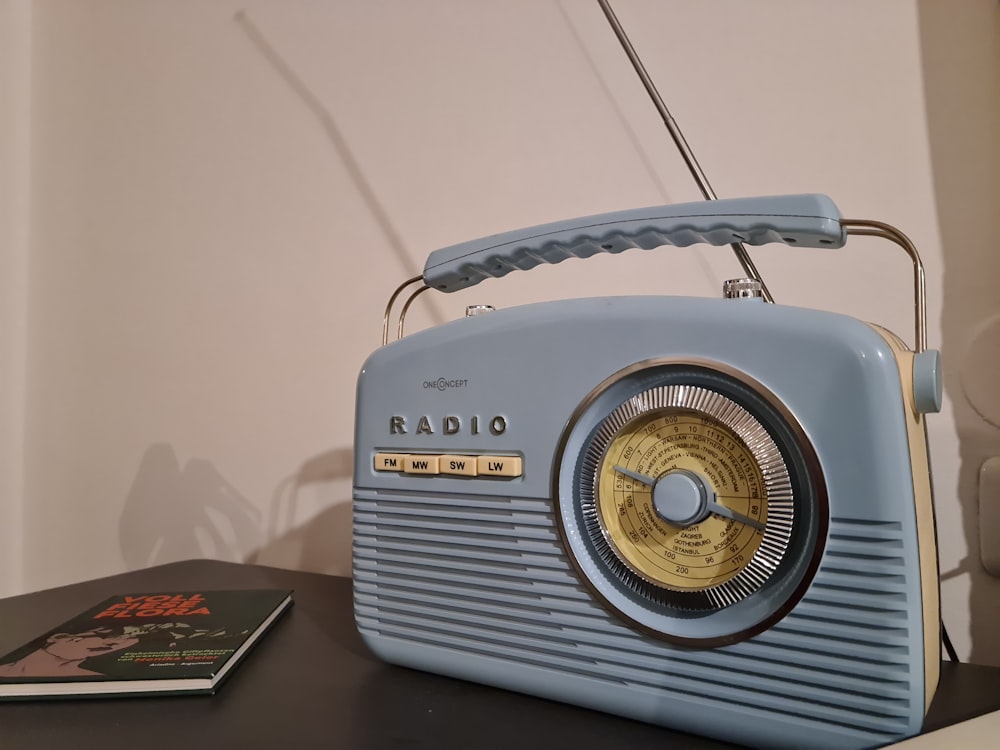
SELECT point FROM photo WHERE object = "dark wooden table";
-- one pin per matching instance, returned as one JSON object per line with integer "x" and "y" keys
{"x": 311, "y": 682}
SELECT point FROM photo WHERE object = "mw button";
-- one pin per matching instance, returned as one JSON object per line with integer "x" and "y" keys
{"x": 420, "y": 464}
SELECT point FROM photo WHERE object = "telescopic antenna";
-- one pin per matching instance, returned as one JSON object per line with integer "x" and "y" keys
{"x": 678, "y": 137}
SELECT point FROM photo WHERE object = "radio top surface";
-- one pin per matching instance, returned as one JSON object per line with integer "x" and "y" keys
{"x": 507, "y": 383}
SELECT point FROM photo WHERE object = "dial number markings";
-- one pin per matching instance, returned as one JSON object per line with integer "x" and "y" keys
{"x": 659, "y": 489}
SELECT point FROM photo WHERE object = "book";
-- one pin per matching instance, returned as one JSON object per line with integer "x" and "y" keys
{"x": 144, "y": 643}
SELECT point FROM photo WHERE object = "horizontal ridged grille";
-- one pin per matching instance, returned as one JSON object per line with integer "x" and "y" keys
{"x": 488, "y": 576}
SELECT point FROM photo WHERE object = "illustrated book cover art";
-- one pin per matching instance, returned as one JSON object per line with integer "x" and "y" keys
{"x": 144, "y": 643}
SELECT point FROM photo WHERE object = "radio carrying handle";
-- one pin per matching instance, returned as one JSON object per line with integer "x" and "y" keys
{"x": 798, "y": 220}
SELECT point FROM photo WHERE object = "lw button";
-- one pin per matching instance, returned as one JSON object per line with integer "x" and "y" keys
{"x": 499, "y": 466}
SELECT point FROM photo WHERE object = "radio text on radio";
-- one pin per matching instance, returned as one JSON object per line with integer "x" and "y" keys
{"x": 449, "y": 425}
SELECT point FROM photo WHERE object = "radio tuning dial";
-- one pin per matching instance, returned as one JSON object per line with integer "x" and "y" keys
{"x": 689, "y": 501}
{"x": 742, "y": 289}
{"x": 681, "y": 498}
{"x": 661, "y": 513}
{"x": 686, "y": 500}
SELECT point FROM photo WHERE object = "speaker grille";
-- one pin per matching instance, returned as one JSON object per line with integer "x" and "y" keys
{"x": 487, "y": 576}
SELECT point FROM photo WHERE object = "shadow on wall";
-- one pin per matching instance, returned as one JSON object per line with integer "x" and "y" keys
{"x": 174, "y": 513}
{"x": 298, "y": 537}
{"x": 961, "y": 66}
{"x": 179, "y": 514}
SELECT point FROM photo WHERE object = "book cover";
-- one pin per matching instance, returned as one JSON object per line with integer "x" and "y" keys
{"x": 143, "y": 643}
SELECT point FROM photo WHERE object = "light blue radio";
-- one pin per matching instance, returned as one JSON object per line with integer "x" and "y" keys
{"x": 709, "y": 514}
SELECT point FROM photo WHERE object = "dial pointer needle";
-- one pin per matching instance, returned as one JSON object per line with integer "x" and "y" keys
{"x": 722, "y": 510}
{"x": 647, "y": 480}
{"x": 713, "y": 506}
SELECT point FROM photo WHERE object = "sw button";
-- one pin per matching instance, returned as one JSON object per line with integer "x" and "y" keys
{"x": 465, "y": 466}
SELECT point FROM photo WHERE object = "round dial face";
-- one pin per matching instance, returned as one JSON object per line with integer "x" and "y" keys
{"x": 681, "y": 499}
{"x": 690, "y": 501}
{"x": 686, "y": 497}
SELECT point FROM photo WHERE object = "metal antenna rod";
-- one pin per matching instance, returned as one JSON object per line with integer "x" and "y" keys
{"x": 675, "y": 132}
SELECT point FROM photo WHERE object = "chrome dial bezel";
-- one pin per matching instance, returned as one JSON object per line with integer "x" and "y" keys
{"x": 649, "y": 608}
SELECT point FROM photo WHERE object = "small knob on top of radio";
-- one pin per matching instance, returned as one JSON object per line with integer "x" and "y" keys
{"x": 473, "y": 310}
{"x": 742, "y": 289}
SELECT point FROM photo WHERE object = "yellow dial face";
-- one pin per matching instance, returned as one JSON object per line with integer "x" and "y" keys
{"x": 681, "y": 499}
{"x": 686, "y": 511}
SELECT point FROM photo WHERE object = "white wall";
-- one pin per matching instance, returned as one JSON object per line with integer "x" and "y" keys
{"x": 15, "y": 179}
{"x": 219, "y": 197}
{"x": 961, "y": 66}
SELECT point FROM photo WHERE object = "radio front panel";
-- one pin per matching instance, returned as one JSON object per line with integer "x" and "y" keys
{"x": 708, "y": 514}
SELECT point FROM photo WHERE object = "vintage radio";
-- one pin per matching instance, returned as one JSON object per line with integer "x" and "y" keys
{"x": 710, "y": 514}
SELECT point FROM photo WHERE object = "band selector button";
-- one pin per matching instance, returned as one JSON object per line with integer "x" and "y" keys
{"x": 389, "y": 461}
{"x": 421, "y": 464}
{"x": 499, "y": 466}
{"x": 464, "y": 466}
{"x": 455, "y": 465}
